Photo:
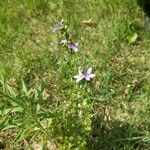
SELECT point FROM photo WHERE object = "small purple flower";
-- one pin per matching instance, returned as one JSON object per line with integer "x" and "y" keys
{"x": 73, "y": 47}
{"x": 86, "y": 74}
{"x": 58, "y": 25}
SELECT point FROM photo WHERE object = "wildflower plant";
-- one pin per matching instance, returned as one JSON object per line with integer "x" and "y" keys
{"x": 78, "y": 107}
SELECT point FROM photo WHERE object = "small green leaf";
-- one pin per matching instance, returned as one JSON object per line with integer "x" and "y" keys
{"x": 38, "y": 107}
{"x": 132, "y": 38}
{"x": 10, "y": 90}
{"x": 24, "y": 88}
{"x": 10, "y": 110}
{"x": 53, "y": 5}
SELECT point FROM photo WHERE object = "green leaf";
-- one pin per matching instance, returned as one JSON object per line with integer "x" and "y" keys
{"x": 10, "y": 110}
{"x": 24, "y": 88}
{"x": 10, "y": 91}
{"x": 38, "y": 107}
{"x": 132, "y": 38}
{"x": 3, "y": 122}
{"x": 53, "y": 6}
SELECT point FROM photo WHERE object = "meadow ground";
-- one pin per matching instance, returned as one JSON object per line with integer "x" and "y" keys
{"x": 42, "y": 106}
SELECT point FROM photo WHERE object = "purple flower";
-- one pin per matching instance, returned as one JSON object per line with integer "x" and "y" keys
{"x": 73, "y": 47}
{"x": 58, "y": 25}
{"x": 86, "y": 74}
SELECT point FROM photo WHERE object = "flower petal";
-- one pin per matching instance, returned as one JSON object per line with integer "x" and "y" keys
{"x": 75, "y": 50}
{"x": 89, "y": 70}
{"x": 54, "y": 30}
{"x": 91, "y": 75}
{"x": 76, "y": 77}
{"x": 79, "y": 77}
{"x": 87, "y": 78}
{"x": 80, "y": 73}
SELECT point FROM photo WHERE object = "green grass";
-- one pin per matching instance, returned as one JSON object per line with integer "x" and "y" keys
{"x": 40, "y": 102}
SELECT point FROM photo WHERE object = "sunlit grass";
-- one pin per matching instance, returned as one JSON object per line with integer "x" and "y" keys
{"x": 40, "y": 102}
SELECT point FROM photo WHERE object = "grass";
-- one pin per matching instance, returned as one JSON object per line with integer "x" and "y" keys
{"x": 41, "y": 105}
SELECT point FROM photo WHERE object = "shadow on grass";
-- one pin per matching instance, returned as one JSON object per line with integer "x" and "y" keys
{"x": 115, "y": 135}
